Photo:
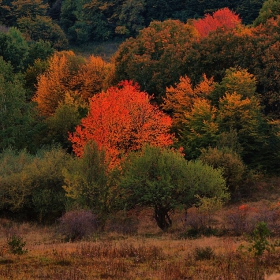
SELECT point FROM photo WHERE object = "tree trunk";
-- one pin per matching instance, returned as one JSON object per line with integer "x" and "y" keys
{"x": 162, "y": 218}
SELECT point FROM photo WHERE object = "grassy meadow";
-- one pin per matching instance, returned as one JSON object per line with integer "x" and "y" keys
{"x": 148, "y": 253}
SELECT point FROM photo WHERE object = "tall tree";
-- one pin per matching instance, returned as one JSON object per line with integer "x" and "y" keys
{"x": 14, "y": 48}
{"x": 154, "y": 59}
{"x": 43, "y": 28}
{"x": 16, "y": 115}
{"x": 28, "y": 8}
{"x": 270, "y": 9}
{"x": 245, "y": 116}
{"x": 70, "y": 73}
{"x": 236, "y": 80}
{"x": 163, "y": 179}
{"x": 181, "y": 98}
{"x": 87, "y": 181}
{"x": 121, "y": 120}
{"x": 223, "y": 18}
{"x": 54, "y": 83}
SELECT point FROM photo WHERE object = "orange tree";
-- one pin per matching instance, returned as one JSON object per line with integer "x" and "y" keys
{"x": 223, "y": 18}
{"x": 70, "y": 73}
{"x": 121, "y": 120}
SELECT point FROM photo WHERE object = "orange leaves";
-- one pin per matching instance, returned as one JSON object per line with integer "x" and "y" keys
{"x": 52, "y": 85}
{"x": 223, "y": 18}
{"x": 70, "y": 73}
{"x": 122, "y": 120}
{"x": 181, "y": 98}
{"x": 92, "y": 77}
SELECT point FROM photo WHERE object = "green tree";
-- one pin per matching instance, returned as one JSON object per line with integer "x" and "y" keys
{"x": 199, "y": 129}
{"x": 245, "y": 116}
{"x": 40, "y": 49}
{"x": 235, "y": 80}
{"x": 48, "y": 197}
{"x": 33, "y": 188}
{"x": 163, "y": 179}
{"x": 66, "y": 117}
{"x": 88, "y": 183}
{"x": 31, "y": 76}
{"x": 270, "y": 9}
{"x": 14, "y": 48}
{"x": 131, "y": 19}
{"x": 28, "y": 8}
{"x": 154, "y": 59}
{"x": 68, "y": 15}
{"x": 16, "y": 115}
{"x": 233, "y": 169}
{"x": 43, "y": 28}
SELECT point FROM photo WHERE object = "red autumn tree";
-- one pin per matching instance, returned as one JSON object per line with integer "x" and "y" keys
{"x": 120, "y": 120}
{"x": 222, "y": 18}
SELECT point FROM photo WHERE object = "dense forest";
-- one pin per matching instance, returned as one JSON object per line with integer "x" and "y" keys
{"x": 186, "y": 109}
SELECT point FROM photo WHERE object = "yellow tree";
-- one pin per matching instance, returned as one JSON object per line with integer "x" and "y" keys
{"x": 180, "y": 98}
{"x": 70, "y": 73}
{"x": 244, "y": 116}
{"x": 235, "y": 80}
{"x": 199, "y": 129}
{"x": 93, "y": 77}
{"x": 53, "y": 84}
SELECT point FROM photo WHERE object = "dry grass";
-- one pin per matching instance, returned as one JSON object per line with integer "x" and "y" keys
{"x": 116, "y": 256}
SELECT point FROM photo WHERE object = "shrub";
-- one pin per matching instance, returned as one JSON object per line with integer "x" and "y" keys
{"x": 31, "y": 185}
{"x": 233, "y": 169}
{"x": 244, "y": 219}
{"x": 259, "y": 242}
{"x": 124, "y": 225}
{"x": 206, "y": 253}
{"x": 16, "y": 245}
{"x": 76, "y": 224}
{"x": 237, "y": 220}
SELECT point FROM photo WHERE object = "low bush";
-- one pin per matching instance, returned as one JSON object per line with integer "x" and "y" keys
{"x": 16, "y": 245}
{"x": 123, "y": 224}
{"x": 77, "y": 224}
{"x": 206, "y": 253}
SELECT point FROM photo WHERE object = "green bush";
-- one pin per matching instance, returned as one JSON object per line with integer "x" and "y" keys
{"x": 163, "y": 179}
{"x": 16, "y": 245}
{"x": 233, "y": 169}
{"x": 31, "y": 185}
{"x": 206, "y": 253}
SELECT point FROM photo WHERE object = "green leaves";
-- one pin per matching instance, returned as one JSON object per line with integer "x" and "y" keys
{"x": 163, "y": 179}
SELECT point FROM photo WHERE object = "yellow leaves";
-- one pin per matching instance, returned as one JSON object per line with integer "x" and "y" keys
{"x": 238, "y": 113}
{"x": 181, "y": 98}
{"x": 240, "y": 81}
{"x": 70, "y": 73}
{"x": 205, "y": 87}
{"x": 201, "y": 119}
{"x": 91, "y": 77}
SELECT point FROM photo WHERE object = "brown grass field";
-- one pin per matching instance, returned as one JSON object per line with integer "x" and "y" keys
{"x": 147, "y": 253}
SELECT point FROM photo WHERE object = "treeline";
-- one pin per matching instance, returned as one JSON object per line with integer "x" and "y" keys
{"x": 182, "y": 113}
{"x": 82, "y": 21}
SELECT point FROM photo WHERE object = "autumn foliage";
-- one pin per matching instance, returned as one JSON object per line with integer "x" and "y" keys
{"x": 120, "y": 120}
{"x": 223, "y": 18}
{"x": 180, "y": 98}
{"x": 70, "y": 73}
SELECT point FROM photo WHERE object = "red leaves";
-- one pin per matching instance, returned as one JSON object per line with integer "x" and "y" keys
{"x": 223, "y": 18}
{"x": 122, "y": 120}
